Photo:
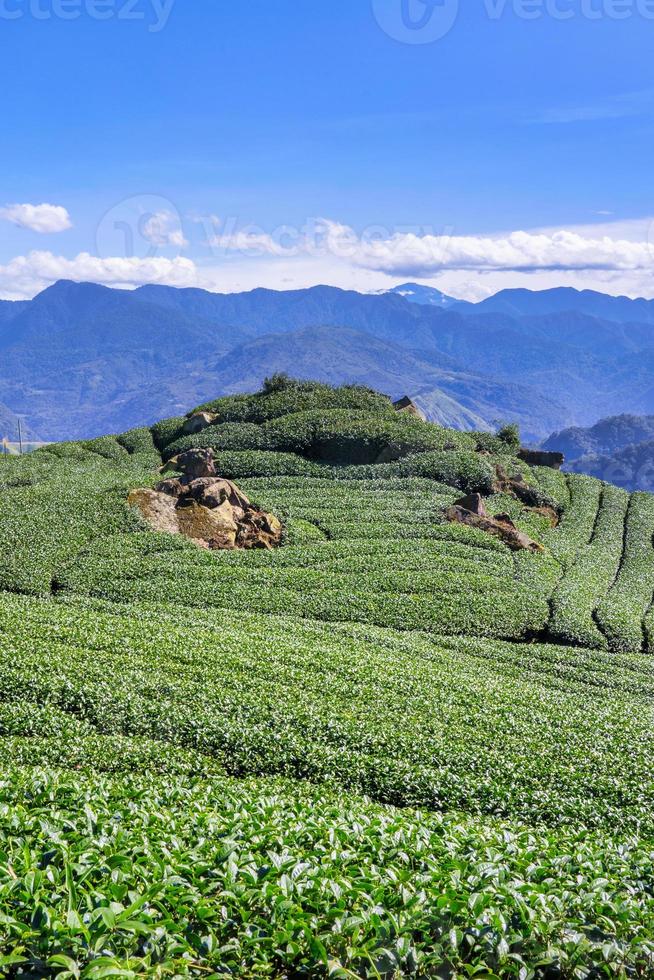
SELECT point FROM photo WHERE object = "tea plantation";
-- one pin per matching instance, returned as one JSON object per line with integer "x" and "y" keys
{"x": 391, "y": 747}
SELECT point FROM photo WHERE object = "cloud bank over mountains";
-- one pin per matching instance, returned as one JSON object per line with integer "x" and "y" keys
{"x": 616, "y": 257}
{"x": 411, "y": 254}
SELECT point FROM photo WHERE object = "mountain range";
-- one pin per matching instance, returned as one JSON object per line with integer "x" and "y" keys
{"x": 619, "y": 450}
{"x": 81, "y": 359}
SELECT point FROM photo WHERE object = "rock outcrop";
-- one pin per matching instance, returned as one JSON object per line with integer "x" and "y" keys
{"x": 534, "y": 457}
{"x": 155, "y": 508}
{"x": 202, "y": 506}
{"x": 532, "y": 497}
{"x": 471, "y": 511}
{"x": 198, "y": 422}
{"x": 407, "y": 406}
{"x": 194, "y": 464}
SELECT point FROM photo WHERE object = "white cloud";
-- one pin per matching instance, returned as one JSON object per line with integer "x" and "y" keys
{"x": 42, "y": 218}
{"x": 615, "y": 257}
{"x": 26, "y": 275}
{"x": 423, "y": 254}
{"x": 164, "y": 228}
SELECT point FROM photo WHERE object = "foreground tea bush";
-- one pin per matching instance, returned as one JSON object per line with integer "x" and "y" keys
{"x": 265, "y": 879}
{"x": 547, "y": 734}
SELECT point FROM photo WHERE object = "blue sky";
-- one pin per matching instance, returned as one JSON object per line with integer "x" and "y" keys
{"x": 201, "y": 121}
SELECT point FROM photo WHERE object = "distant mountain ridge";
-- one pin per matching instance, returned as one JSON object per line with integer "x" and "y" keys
{"x": 525, "y": 302}
{"x": 631, "y": 467}
{"x": 619, "y": 450}
{"x": 9, "y": 427}
{"x": 606, "y": 436}
{"x": 82, "y": 359}
{"x": 423, "y": 295}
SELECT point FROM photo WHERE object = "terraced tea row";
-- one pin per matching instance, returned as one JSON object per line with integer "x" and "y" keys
{"x": 547, "y": 734}
{"x": 464, "y": 591}
{"x": 56, "y": 525}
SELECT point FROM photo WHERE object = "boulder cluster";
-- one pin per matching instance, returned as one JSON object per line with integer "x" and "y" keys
{"x": 204, "y": 507}
{"x": 471, "y": 511}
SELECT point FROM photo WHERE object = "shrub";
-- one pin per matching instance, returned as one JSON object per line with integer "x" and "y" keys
{"x": 300, "y": 532}
{"x": 167, "y": 431}
{"x": 238, "y": 436}
{"x": 235, "y": 465}
{"x": 466, "y": 471}
{"x": 509, "y": 434}
{"x": 107, "y": 446}
{"x": 576, "y": 527}
{"x": 554, "y": 484}
{"x": 490, "y": 443}
{"x": 348, "y": 437}
{"x": 276, "y": 383}
{"x": 299, "y": 397}
{"x": 138, "y": 442}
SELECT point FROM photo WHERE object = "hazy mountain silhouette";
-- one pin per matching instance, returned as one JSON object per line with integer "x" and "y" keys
{"x": 81, "y": 359}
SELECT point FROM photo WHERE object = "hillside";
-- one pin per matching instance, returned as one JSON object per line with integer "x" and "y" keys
{"x": 9, "y": 426}
{"x": 423, "y": 295}
{"x": 606, "y": 436}
{"x": 527, "y": 302}
{"x": 619, "y": 449}
{"x": 80, "y": 359}
{"x": 631, "y": 467}
{"x": 391, "y": 747}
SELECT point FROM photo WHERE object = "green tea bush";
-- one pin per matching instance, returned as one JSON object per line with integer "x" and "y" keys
{"x": 267, "y": 879}
{"x": 470, "y": 603}
{"x": 139, "y": 442}
{"x": 107, "y": 446}
{"x": 348, "y": 437}
{"x": 620, "y": 614}
{"x": 167, "y": 431}
{"x": 237, "y": 436}
{"x": 554, "y": 484}
{"x": 235, "y": 465}
{"x": 578, "y": 522}
{"x": 228, "y": 408}
{"x": 301, "y": 532}
{"x": 591, "y": 575}
{"x": 46, "y": 522}
{"x": 533, "y": 732}
{"x": 69, "y": 451}
{"x": 464, "y": 470}
{"x": 298, "y": 397}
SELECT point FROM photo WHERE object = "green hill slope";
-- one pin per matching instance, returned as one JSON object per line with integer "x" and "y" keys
{"x": 391, "y": 747}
